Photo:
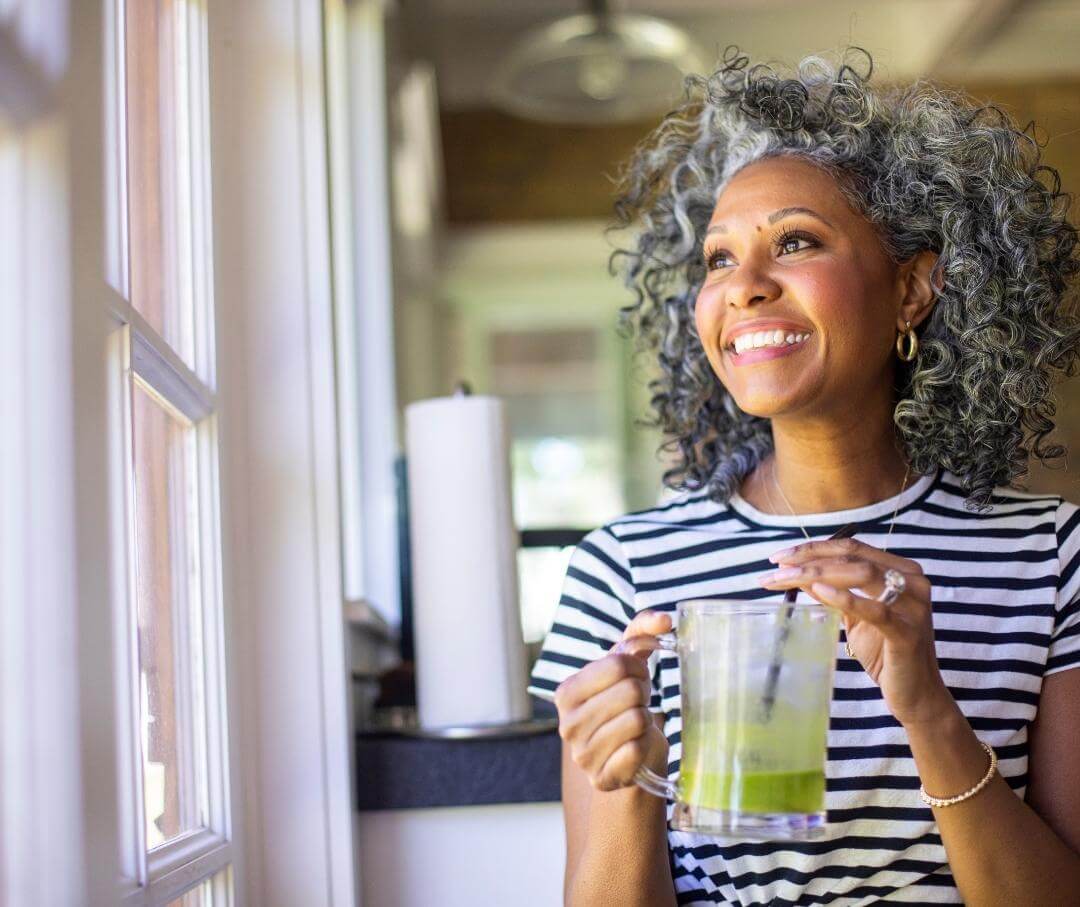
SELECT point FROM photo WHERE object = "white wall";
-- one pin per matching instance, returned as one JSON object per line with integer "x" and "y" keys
{"x": 279, "y": 463}
{"x": 469, "y": 856}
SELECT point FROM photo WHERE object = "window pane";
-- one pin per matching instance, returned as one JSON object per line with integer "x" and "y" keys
{"x": 215, "y": 892}
{"x": 158, "y": 215}
{"x": 200, "y": 896}
{"x": 541, "y": 572}
{"x": 564, "y": 481}
{"x": 567, "y": 467}
{"x": 172, "y": 710}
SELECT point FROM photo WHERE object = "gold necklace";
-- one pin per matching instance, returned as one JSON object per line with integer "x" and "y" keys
{"x": 772, "y": 505}
{"x": 772, "y": 474}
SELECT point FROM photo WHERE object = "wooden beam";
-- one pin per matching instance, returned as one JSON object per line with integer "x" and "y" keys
{"x": 500, "y": 168}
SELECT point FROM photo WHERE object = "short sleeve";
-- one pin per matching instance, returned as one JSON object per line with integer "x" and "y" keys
{"x": 594, "y": 610}
{"x": 1064, "y": 652}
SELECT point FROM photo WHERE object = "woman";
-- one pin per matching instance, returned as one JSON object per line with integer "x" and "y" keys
{"x": 858, "y": 299}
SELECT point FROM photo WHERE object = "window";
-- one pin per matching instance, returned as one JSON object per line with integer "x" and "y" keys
{"x": 565, "y": 455}
{"x": 565, "y": 452}
{"x": 175, "y": 822}
{"x": 118, "y": 782}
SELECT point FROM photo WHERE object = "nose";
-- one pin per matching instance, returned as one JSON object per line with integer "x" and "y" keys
{"x": 750, "y": 285}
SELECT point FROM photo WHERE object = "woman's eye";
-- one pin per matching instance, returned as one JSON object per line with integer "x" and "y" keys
{"x": 712, "y": 259}
{"x": 788, "y": 240}
{"x": 785, "y": 244}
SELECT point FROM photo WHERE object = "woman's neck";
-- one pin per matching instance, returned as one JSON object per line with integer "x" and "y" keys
{"x": 826, "y": 472}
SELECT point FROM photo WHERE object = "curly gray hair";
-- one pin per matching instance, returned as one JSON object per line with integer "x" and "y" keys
{"x": 930, "y": 170}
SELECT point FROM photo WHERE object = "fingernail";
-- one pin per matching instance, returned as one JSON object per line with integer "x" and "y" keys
{"x": 781, "y": 554}
{"x": 780, "y": 576}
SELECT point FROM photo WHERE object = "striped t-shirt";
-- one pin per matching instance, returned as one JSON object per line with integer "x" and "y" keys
{"x": 1006, "y": 612}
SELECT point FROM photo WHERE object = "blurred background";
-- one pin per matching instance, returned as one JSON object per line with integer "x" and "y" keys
{"x": 508, "y": 122}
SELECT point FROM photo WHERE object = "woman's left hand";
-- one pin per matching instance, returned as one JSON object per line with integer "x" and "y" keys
{"x": 895, "y": 642}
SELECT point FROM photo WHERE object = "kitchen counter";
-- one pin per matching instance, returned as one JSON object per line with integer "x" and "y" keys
{"x": 405, "y": 772}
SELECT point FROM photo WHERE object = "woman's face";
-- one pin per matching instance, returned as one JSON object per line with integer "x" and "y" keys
{"x": 819, "y": 272}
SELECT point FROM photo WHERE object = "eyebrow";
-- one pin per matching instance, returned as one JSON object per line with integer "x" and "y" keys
{"x": 775, "y": 216}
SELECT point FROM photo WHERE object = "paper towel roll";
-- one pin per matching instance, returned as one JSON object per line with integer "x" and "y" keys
{"x": 470, "y": 652}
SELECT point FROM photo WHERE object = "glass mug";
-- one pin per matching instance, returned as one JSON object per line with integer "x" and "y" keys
{"x": 752, "y": 766}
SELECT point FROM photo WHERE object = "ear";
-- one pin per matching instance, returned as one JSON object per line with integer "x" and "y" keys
{"x": 920, "y": 287}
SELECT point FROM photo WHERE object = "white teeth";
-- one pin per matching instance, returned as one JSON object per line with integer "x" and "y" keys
{"x": 760, "y": 339}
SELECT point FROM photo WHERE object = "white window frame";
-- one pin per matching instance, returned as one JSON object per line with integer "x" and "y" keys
{"x": 63, "y": 453}
{"x": 136, "y": 351}
{"x": 158, "y": 876}
{"x": 364, "y": 315}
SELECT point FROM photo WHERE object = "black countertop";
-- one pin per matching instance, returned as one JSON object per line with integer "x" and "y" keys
{"x": 402, "y": 772}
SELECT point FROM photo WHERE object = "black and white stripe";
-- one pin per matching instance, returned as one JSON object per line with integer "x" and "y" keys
{"x": 1006, "y": 596}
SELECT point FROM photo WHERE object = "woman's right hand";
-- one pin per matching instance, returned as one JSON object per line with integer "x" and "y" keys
{"x": 603, "y": 714}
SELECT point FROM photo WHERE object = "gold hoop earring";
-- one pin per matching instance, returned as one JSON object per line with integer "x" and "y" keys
{"x": 913, "y": 343}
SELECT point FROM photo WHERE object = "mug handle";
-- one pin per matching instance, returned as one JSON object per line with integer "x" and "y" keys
{"x": 645, "y": 777}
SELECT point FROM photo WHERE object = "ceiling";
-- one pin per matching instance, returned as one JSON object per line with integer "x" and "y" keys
{"x": 953, "y": 40}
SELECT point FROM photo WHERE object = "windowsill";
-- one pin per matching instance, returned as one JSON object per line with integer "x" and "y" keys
{"x": 396, "y": 772}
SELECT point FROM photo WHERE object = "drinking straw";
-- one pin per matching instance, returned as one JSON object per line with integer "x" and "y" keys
{"x": 773, "y": 677}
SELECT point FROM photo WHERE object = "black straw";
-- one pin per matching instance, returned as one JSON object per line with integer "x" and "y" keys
{"x": 773, "y": 678}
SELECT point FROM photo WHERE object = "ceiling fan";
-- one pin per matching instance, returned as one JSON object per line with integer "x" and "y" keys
{"x": 596, "y": 67}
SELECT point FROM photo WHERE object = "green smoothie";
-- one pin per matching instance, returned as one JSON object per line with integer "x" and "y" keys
{"x": 749, "y": 767}
{"x": 757, "y": 792}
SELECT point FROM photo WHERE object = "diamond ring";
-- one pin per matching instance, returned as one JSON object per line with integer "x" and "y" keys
{"x": 894, "y": 585}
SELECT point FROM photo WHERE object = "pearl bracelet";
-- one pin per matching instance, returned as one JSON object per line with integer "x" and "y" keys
{"x": 949, "y": 801}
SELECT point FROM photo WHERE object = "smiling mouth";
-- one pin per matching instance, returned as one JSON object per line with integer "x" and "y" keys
{"x": 744, "y": 352}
